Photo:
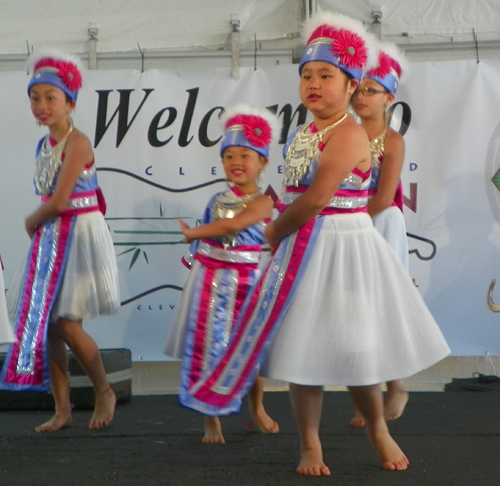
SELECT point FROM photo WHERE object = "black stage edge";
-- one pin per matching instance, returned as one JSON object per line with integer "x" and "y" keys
{"x": 451, "y": 439}
{"x": 117, "y": 364}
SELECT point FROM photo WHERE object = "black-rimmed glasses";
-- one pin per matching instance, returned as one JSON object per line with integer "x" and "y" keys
{"x": 369, "y": 91}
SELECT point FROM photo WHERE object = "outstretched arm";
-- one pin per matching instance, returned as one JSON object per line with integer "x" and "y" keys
{"x": 258, "y": 210}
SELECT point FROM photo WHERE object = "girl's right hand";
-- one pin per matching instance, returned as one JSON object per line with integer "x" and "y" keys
{"x": 186, "y": 230}
{"x": 271, "y": 236}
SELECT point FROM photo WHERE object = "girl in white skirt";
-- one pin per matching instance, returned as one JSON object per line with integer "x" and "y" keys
{"x": 370, "y": 101}
{"x": 223, "y": 257}
{"x": 335, "y": 306}
{"x": 354, "y": 318}
{"x": 70, "y": 273}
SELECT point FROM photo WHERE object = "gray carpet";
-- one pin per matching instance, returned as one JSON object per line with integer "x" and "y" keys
{"x": 451, "y": 438}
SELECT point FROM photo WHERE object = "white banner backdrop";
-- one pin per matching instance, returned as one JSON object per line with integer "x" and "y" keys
{"x": 155, "y": 136}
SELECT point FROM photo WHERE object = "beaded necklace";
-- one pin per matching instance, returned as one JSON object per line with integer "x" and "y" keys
{"x": 302, "y": 150}
{"x": 227, "y": 206}
{"x": 48, "y": 162}
{"x": 377, "y": 147}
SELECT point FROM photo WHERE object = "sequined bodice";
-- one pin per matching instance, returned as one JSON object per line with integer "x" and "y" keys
{"x": 351, "y": 194}
{"x": 86, "y": 182}
{"x": 227, "y": 204}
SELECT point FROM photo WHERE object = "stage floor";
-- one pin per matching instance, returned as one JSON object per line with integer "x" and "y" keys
{"x": 451, "y": 438}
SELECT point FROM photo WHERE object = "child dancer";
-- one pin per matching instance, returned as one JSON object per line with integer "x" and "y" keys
{"x": 335, "y": 304}
{"x": 370, "y": 101}
{"x": 226, "y": 252}
{"x": 70, "y": 273}
{"x": 6, "y": 334}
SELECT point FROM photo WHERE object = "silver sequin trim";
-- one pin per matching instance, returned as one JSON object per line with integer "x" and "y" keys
{"x": 82, "y": 202}
{"x": 88, "y": 173}
{"x": 320, "y": 40}
{"x": 231, "y": 369}
{"x": 357, "y": 181}
{"x": 232, "y": 291}
{"x": 235, "y": 128}
{"x": 210, "y": 323}
{"x": 348, "y": 202}
{"x": 340, "y": 202}
{"x": 212, "y": 315}
{"x": 229, "y": 256}
{"x": 35, "y": 310}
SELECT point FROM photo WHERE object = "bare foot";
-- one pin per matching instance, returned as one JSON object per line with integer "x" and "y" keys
{"x": 395, "y": 403}
{"x": 213, "y": 431}
{"x": 104, "y": 409}
{"x": 358, "y": 420}
{"x": 61, "y": 419}
{"x": 392, "y": 458}
{"x": 265, "y": 423}
{"x": 311, "y": 463}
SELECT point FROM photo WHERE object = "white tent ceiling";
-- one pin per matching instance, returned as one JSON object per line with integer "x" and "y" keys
{"x": 179, "y": 32}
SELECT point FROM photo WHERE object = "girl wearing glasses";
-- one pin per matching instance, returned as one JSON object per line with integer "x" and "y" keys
{"x": 371, "y": 101}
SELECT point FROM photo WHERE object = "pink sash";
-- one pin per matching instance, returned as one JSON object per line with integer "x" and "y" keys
{"x": 26, "y": 366}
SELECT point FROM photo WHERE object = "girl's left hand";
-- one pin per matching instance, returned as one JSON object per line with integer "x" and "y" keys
{"x": 272, "y": 238}
{"x": 30, "y": 227}
{"x": 185, "y": 231}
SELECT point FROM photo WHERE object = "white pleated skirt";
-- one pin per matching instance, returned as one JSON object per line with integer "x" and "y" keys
{"x": 6, "y": 332}
{"x": 174, "y": 345}
{"x": 357, "y": 319}
{"x": 390, "y": 223}
{"x": 90, "y": 284}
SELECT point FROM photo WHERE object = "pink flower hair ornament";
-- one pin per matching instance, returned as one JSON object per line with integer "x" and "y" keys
{"x": 392, "y": 68}
{"x": 250, "y": 127}
{"x": 341, "y": 41}
{"x": 58, "y": 69}
{"x": 350, "y": 48}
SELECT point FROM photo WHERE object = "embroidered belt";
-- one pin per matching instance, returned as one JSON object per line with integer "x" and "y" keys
{"x": 343, "y": 200}
{"x": 79, "y": 203}
{"x": 239, "y": 254}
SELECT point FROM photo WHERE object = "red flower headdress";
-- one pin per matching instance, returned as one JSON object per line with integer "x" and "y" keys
{"x": 57, "y": 68}
{"x": 257, "y": 126}
{"x": 390, "y": 59}
{"x": 67, "y": 70}
{"x": 349, "y": 39}
{"x": 255, "y": 129}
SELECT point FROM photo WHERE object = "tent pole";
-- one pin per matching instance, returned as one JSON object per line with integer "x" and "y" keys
{"x": 93, "y": 31}
{"x": 235, "y": 46}
{"x": 377, "y": 21}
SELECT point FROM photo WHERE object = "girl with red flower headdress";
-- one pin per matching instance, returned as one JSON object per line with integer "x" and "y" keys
{"x": 335, "y": 306}
{"x": 371, "y": 101}
{"x": 70, "y": 273}
{"x": 355, "y": 317}
{"x": 224, "y": 258}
